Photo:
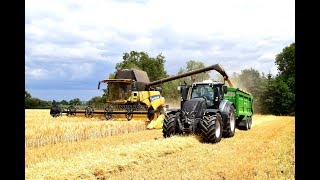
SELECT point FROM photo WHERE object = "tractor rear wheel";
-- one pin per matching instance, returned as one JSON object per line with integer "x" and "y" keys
{"x": 231, "y": 124}
{"x": 169, "y": 126}
{"x": 211, "y": 128}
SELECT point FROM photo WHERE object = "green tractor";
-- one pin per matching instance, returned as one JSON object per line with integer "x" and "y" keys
{"x": 211, "y": 109}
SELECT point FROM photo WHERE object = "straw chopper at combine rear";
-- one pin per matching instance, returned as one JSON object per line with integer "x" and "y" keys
{"x": 131, "y": 96}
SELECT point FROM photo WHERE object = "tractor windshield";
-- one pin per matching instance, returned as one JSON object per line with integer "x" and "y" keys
{"x": 118, "y": 91}
{"x": 203, "y": 90}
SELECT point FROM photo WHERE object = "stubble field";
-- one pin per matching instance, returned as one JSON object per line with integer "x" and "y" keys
{"x": 81, "y": 148}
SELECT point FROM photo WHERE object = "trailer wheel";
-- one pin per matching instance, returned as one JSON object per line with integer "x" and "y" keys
{"x": 231, "y": 124}
{"x": 211, "y": 128}
{"x": 250, "y": 122}
{"x": 169, "y": 126}
{"x": 246, "y": 124}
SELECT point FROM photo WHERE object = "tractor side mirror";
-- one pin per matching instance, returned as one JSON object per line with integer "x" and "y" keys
{"x": 184, "y": 93}
{"x": 99, "y": 84}
{"x": 225, "y": 89}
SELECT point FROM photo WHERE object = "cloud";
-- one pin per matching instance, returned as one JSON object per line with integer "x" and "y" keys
{"x": 83, "y": 40}
{"x": 36, "y": 73}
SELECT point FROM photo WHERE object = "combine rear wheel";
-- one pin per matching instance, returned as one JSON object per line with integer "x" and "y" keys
{"x": 169, "y": 126}
{"x": 211, "y": 127}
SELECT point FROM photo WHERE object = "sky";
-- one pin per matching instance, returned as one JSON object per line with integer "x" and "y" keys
{"x": 70, "y": 45}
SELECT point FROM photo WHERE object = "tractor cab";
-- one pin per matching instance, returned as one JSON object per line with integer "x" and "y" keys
{"x": 210, "y": 91}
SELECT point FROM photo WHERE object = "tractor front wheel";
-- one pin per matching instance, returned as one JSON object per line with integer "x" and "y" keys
{"x": 169, "y": 126}
{"x": 211, "y": 128}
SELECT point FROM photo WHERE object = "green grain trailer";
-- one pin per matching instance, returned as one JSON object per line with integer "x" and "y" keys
{"x": 243, "y": 102}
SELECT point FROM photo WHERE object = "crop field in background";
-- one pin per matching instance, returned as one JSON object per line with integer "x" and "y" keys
{"x": 81, "y": 148}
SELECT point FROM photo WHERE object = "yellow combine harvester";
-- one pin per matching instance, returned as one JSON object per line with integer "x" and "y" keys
{"x": 131, "y": 96}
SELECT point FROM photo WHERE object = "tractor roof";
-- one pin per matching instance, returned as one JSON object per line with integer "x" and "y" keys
{"x": 209, "y": 82}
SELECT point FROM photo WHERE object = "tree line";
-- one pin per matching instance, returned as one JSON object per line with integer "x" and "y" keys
{"x": 273, "y": 94}
{"x": 36, "y": 103}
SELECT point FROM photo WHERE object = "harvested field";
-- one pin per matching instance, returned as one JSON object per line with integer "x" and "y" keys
{"x": 264, "y": 152}
{"x": 42, "y": 129}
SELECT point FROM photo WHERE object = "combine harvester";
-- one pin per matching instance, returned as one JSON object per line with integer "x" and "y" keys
{"x": 131, "y": 96}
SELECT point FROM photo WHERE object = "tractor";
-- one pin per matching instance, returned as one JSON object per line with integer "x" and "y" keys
{"x": 210, "y": 109}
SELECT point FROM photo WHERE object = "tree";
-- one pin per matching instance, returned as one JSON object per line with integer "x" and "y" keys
{"x": 285, "y": 61}
{"x": 63, "y": 102}
{"x": 27, "y": 95}
{"x": 253, "y": 82}
{"x": 279, "y": 93}
{"x": 141, "y": 60}
{"x": 97, "y": 101}
{"x": 153, "y": 66}
{"x": 36, "y": 103}
{"x": 170, "y": 88}
{"x": 193, "y": 65}
{"x": 190, "y": 66}
{"x": 75, "y": 101}
{"x": 277, "y": 99}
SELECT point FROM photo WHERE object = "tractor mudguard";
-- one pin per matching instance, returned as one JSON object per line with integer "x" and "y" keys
{"x": 211, "y": 111}
{"x": 224, "y": 108}
{"x": 172, "y": 111}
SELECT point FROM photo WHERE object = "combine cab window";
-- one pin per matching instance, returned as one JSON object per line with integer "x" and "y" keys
{"x": 118, "y": 91}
